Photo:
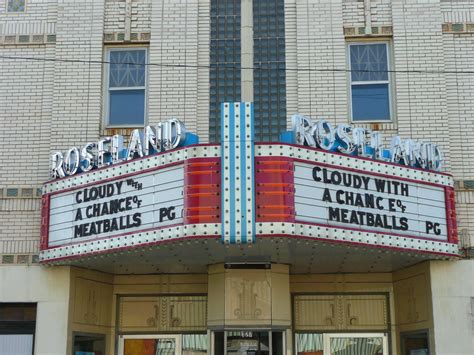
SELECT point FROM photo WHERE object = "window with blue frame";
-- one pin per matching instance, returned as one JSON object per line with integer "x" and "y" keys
{"x": 370, "y": 81}
{"x": 126, "y": 87}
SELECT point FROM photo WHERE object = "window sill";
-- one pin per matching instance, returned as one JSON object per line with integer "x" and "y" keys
{"x": 376, "y": 125}
{"x": 122, "y": 130}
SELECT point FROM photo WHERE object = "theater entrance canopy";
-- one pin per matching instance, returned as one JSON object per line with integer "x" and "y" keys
{"x": 324, "y": 199}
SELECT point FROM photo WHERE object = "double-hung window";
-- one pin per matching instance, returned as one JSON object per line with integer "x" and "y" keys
{"x": 370, "y": 81}
{"x": 126, "y": 87}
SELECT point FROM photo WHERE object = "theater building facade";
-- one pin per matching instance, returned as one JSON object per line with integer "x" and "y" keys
{"x": 236, "y": 177}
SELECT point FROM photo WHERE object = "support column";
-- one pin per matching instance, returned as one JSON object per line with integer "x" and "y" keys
{"x": 246, "y": 298}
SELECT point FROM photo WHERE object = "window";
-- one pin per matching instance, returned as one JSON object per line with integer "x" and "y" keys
{"x": 17, "y": 328}
{"x": 269, "y": 82}
{"x": 16, "y": 5}
{"x": 370, "y": 82}
{"x": 126, "y": 87}
{"x": 88, "y": 344}
{"x": 415, "y": 343}
{"x": 224, "y": 75}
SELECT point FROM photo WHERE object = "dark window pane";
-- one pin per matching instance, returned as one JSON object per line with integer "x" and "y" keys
{"x": 369, "y": 62}
{"x": 127, "y": 107}
{"x": 370, "y": 102}
{"x": 127, "y": 68}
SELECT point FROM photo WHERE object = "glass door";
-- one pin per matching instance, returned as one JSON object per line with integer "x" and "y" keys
{"x": 149, "y": 345}
{"x": 342, "y": 344}
{"x": 248, "y": 342}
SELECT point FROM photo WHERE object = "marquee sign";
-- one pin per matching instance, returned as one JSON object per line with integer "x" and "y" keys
{"x": 240, "y": 191}
{"x": 344, "y": 198}
{"x": 146, "y": 201}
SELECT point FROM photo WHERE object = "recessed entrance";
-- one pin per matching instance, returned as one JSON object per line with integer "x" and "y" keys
{"x": 248, "y": 342}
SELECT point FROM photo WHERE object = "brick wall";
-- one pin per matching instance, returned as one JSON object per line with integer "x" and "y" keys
{"x": 353, "y": 13}
{"x": 55, "y": 105}
{"x": 77, "y": 90}
{"x": 420, "y": 98}
{"x": 318, "y": 43}
{"x": 381, "y": 12}
{"x": 180, "y": 35}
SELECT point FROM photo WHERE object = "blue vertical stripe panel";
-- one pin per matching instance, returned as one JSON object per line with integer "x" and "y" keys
{"x": 238, "y": 212}
{"x": 251, "y": 179}
{"x": 225, "y": 173}
{"x": 232, "y": 172}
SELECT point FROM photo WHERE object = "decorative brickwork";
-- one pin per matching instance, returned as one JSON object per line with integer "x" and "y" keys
{"x": 458, "y": 27}
{"x": 118, "y": 37}
{"x": 361, "y": 31}
{"x": 27, "y": 39}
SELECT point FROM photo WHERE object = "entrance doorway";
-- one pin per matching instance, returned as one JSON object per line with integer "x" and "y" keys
{"x": 341, "y": 344}
{"x": 248, "y": 342}
{"x": 149, "y": 345}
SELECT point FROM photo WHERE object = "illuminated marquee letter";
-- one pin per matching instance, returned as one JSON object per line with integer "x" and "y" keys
{"x": 150, "y": 143}
{"x": 87, "y": 157}
{"x": 376, "y": 145}
{"x": 302, "y": 129}
{"x": 57, "y": 170}
{"x": 343, "y": 138}
{"x": 323, "y": 134}
{"x": 118, "y": 153}
{"x": 173, "y": 134}
{"x": 104, "y": 156}
{"x": 72, "y": 161}
{"x": 433, "y": 156}
{"x": 397, "y": 150}
{"x": 135, "y": 146}
{"x": 360, "y": 140}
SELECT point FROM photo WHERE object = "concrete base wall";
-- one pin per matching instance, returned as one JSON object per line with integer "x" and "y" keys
{"x": 49, "y": 288}
{"x": 452, "y": 287}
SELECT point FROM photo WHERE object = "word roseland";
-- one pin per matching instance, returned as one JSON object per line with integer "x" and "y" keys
{"x": 111, "y": 150}
{"x": 321, "y": 134}
{"x": 363, "y": 142}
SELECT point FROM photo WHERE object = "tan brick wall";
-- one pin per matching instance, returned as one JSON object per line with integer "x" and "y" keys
{"x": 54, "y": 105}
